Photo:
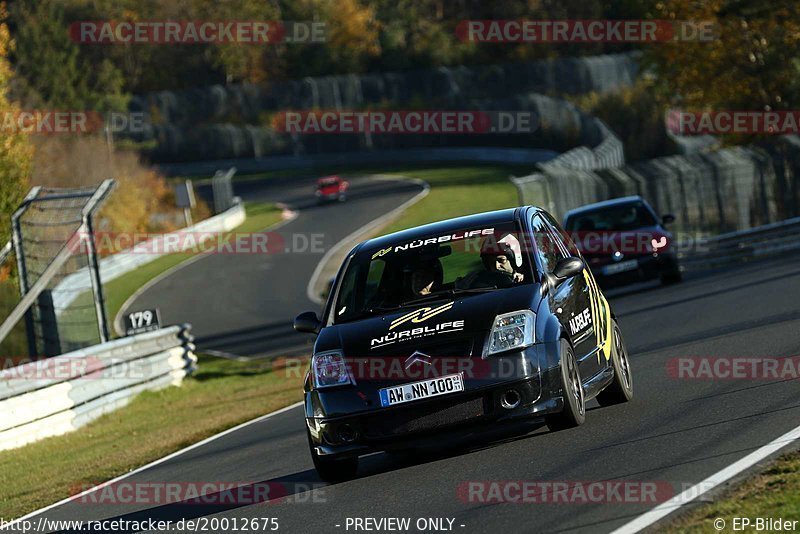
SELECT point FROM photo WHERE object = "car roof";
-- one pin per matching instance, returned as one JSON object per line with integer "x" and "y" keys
{"x": 476, "y": 220}
{"x": 604, "y": 204}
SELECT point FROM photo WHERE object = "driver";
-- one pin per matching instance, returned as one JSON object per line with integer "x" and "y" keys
{"x": 424, "y": 278}
{"x": 422, "y": 281}
{"x": 499, "y": 259}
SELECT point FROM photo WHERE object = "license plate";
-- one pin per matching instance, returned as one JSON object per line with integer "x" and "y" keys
{"x": 424, "y": 389}
{"x": 620, "y": 267}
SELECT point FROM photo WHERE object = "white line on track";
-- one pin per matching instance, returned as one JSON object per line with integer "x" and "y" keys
{"x": 12, "y": 524}
{"x": 664, "y": 509}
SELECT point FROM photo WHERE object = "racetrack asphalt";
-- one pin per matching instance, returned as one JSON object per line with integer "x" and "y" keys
{"x": 675, "y": 431}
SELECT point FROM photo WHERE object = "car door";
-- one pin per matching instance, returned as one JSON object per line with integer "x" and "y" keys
{"x": 578, "y": 318}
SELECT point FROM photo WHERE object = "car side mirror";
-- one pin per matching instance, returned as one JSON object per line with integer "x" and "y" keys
{"x": 667, "y": 218}
{"x": 307, "y": 322}
{"x": 568, "y": 267}
{"x": 564, "y": 269}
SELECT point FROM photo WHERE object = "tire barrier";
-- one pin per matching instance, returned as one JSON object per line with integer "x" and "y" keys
{"x": 235, "y": 121}
{"x": 444, "y": 86}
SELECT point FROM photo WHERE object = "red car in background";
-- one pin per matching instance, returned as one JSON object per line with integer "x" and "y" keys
{"x": 624, "y": 241}
{"x": 331, "y": 188}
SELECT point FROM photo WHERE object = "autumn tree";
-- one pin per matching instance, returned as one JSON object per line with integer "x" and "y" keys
{"x": 750, "y": 64}
{"x": 15, "y": 151}
{"x": 52, "y": 71}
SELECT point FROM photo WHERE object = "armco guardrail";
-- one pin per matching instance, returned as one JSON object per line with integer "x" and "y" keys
{"x": 499, "y": 155}
{"x": 747, "y": 245}
{"x": 56, "y": 395}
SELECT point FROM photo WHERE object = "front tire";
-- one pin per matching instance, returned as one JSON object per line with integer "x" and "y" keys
{"x": 621, "y": 388}
{"x": 331, "y": 469}
{"x": 574, "y": 412}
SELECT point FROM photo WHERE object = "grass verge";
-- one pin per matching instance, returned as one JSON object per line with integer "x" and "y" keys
{"x": 773, "y": 493}
{"x": 220, "y": 395}
{"x": 457, "y": 191}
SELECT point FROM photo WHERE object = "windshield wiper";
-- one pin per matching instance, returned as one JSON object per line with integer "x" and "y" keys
{"x": 473, "y": 290}
{"x": 439, "y": 294}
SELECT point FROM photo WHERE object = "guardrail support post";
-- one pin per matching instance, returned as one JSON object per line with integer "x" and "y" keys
{"x": 187, "y": 341}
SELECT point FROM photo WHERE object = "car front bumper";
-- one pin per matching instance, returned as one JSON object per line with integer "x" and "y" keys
{"x": 423, "y": 422}
{"x": 649, "y": 267}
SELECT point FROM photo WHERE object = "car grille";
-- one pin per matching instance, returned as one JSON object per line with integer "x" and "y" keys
{"x": 451, "y": 349}
{"x": 421, "y": 417}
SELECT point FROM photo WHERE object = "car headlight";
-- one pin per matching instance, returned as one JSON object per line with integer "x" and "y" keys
{"x": 329, "y": 369}
{"x": 511, "y": 331}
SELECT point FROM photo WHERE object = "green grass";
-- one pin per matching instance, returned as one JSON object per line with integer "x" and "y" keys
{"x": 457, "y": 191}
{"x": 259, "y": 217}
{"x": 220, "y": 395}
{"x": 774, "y": 493}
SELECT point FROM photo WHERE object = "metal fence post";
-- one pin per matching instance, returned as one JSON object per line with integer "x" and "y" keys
{"x": 97, "y": 286}
{"x": 94, "y": 265}
{"x": 16, "y": 239}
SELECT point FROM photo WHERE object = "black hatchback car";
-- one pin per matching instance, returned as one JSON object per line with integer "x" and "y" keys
{"x": 474, "y": 321}
{"x": 624, "y": 241}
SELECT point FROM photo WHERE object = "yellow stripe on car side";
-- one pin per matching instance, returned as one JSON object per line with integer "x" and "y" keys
{"x": 601, "y": 316}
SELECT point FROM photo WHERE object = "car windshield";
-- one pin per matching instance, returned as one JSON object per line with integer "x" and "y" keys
{"x": 402, "y": 274}
{"x": 613, "y": 218}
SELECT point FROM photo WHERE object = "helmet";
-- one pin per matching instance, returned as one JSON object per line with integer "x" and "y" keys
{"x": 507, "y": 246}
